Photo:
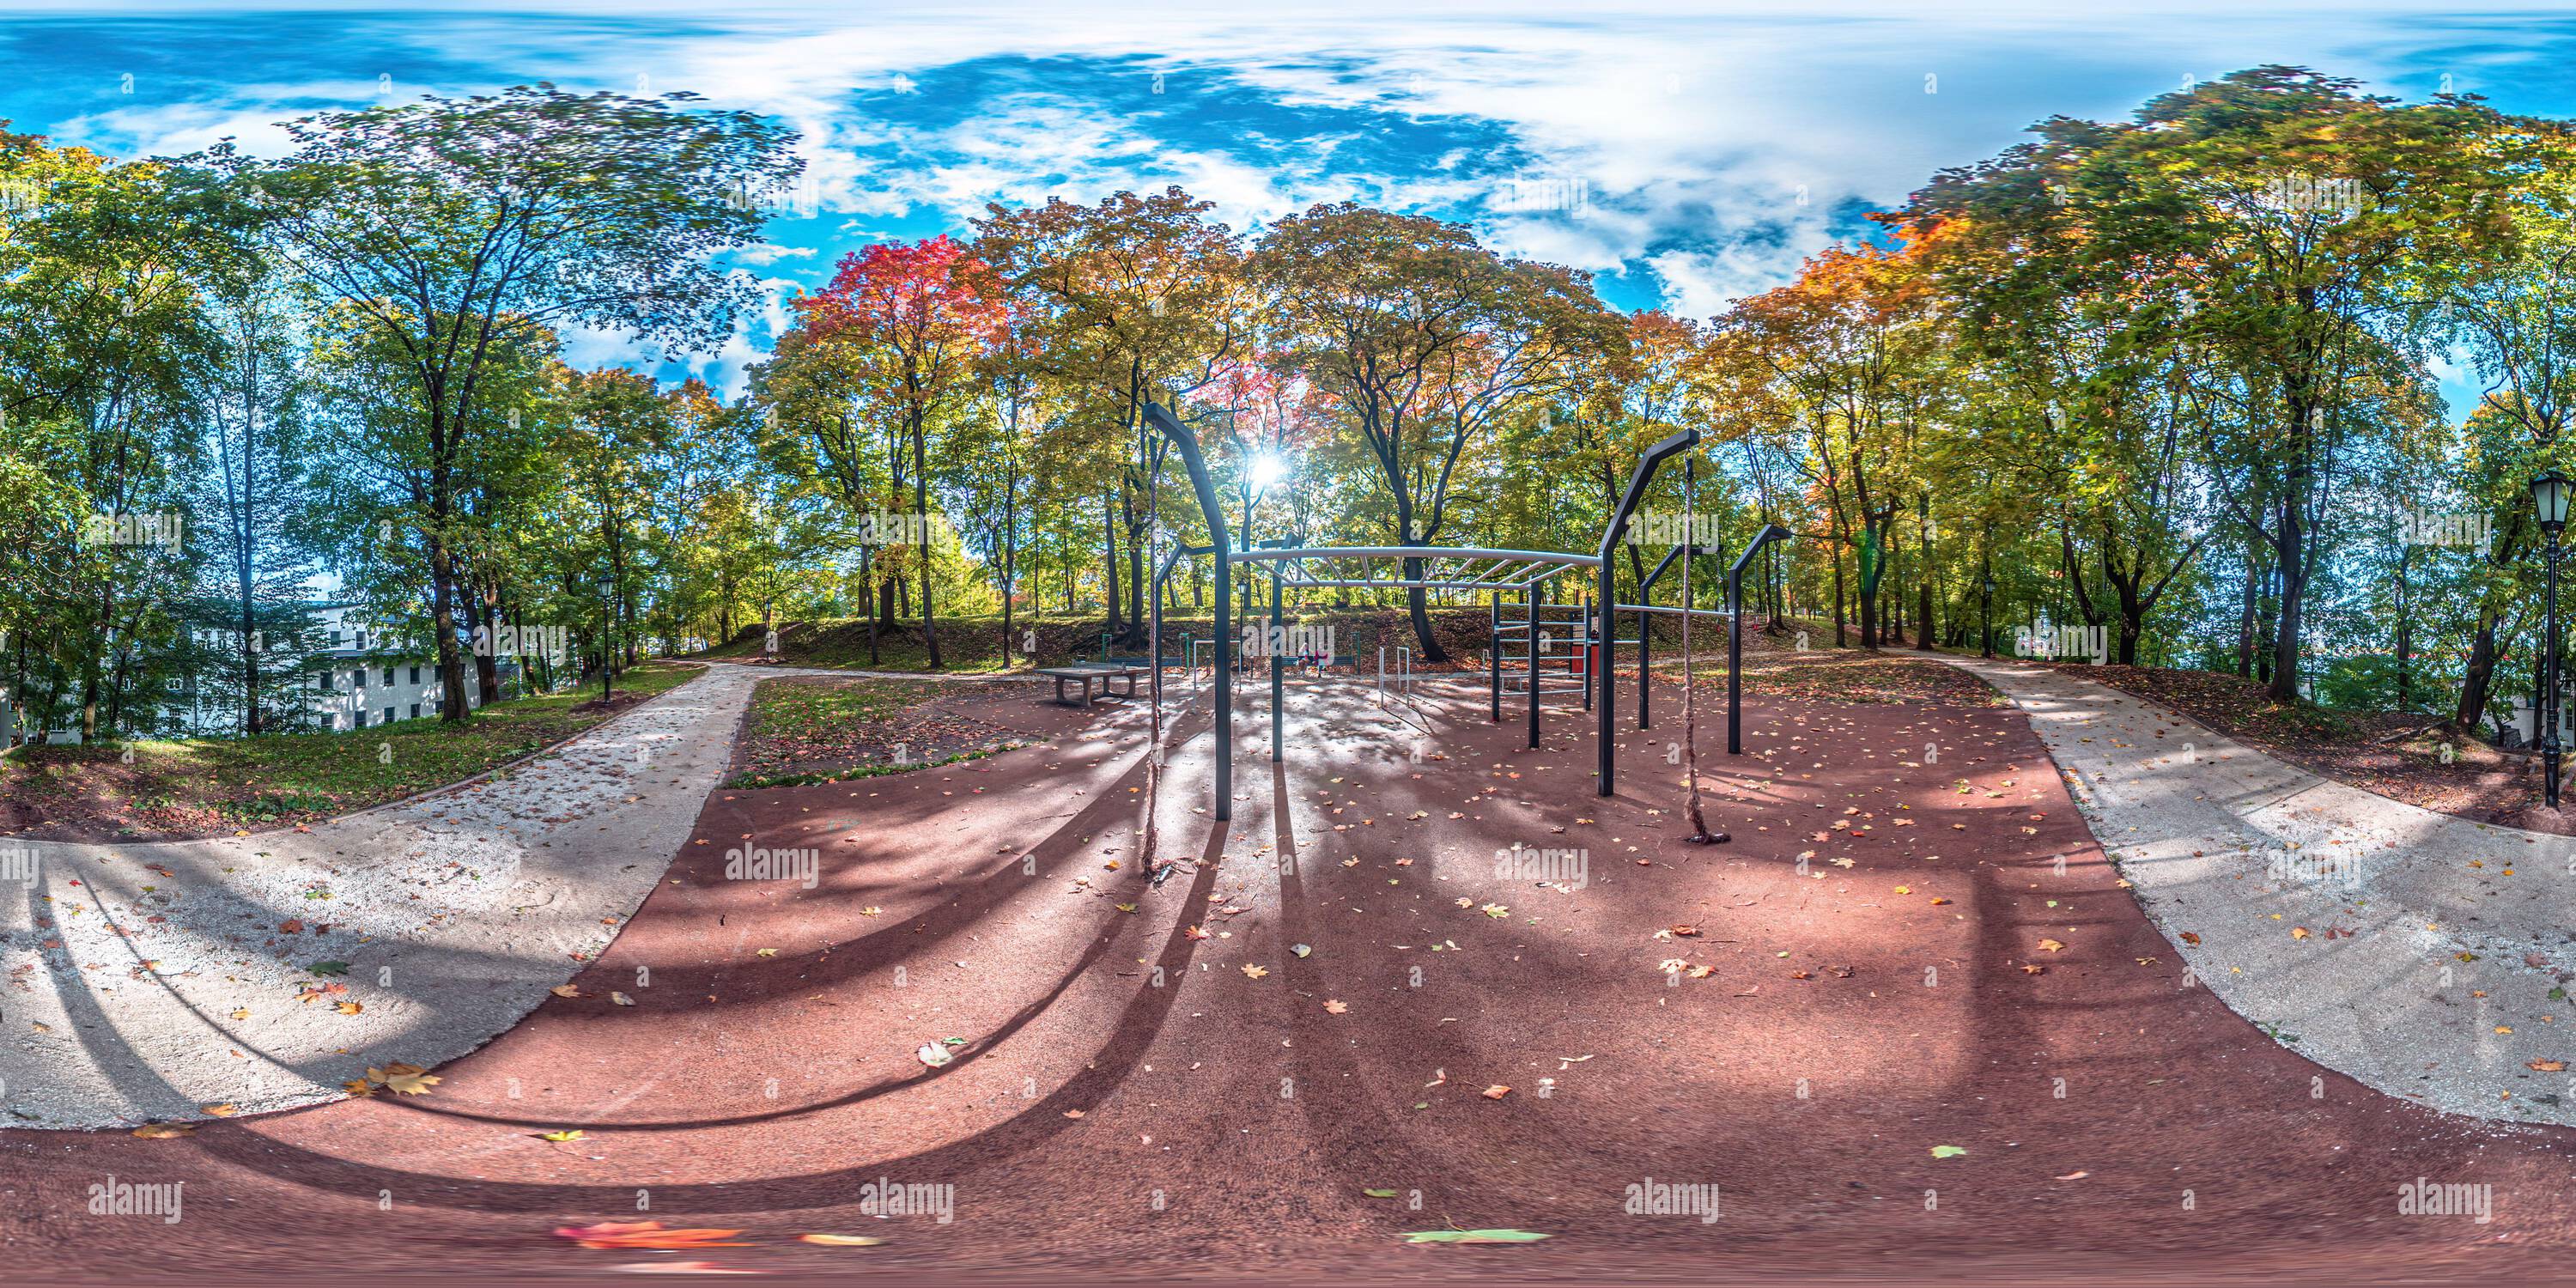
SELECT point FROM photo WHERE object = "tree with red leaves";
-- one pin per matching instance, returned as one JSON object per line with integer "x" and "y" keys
{"x": 905, "y": 325}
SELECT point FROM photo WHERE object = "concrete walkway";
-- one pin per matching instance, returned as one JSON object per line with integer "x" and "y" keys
{"x": 148, "y": 982}
{"x": 2414, "y": 951}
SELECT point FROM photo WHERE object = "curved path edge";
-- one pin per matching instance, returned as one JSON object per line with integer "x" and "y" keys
{"x": 181, "y": 980}
{"x": 2423, "y": 955}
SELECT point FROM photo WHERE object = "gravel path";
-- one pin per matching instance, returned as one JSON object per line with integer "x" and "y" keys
{"x": 151, "y": 982}
{"x": 2424, "y": 955}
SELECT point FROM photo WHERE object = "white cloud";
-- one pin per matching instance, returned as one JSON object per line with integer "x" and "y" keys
{"x": 770, "y": 253}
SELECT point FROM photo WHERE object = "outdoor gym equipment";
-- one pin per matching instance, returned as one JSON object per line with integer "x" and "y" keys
{"x": 1473, "y": 570}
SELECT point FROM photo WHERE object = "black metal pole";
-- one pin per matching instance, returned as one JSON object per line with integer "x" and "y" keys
{"x": 1494, "y": 656}
{"x": 1676, "y": 442}
{"x": 1188, "y": 445}
{"x": 1735, "y": 660}
{"x": 1278, "y": 665}
{"x": 2549, "y": 687}
{"x": 1596, "y": 648}
{"x": 1645, "y": 657}
{"x": 1735, "y": 635}
{"x": 1537, "y": 592}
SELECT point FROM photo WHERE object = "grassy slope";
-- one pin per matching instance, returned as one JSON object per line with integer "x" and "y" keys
{"x": 211, "y": 786}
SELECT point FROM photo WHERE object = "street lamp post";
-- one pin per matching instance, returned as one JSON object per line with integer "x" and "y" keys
{"x": 2549, "y": 498}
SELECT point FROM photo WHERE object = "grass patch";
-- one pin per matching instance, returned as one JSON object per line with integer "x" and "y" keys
{"x": 822, "y": 731}
{"x": 859, "y": 771}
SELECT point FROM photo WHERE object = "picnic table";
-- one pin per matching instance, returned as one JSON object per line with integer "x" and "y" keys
{"x": 1086, "y": 672}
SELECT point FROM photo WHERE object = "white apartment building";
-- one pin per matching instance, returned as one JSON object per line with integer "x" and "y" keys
{"x": 361, "y": 676}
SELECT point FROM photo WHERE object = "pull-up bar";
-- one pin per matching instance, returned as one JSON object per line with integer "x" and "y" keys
{"x": 1644, "y": 474}
{"x": 1645, "y": 631}
{"x": 1735, "y": 634}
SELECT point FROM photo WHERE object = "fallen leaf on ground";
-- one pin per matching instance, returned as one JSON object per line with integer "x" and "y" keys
{"x": 841, "y": 1240}
{"x": 163, "y": 1131}
{"x": 1948, "y": 1151}
{"x": 1497, "y": 1092}
{"x": 1471, "y": 1236}
{"x": 646, "y": 1234}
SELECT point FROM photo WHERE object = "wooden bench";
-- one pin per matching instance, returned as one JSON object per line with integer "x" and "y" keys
{"x": 1087, "y": 672}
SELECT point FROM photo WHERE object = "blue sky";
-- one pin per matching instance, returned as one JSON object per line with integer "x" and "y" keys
{"x": 1685, "y": 155}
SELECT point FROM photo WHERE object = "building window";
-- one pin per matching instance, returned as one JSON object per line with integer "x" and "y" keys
{"x": 335, "y": 639}
{"x": 326, "y": 681}
{"x": 362, "y": 639}
{"x": 415, "y": 678}
{"x": 415, "y": 711}
{"x": 389, "y": 715}
{"x": 389, "y": 677}
{"x": 360, "y": 716}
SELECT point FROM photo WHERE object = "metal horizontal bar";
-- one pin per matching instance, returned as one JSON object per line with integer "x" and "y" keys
{"x": 1674, "y": 612}
{"x": 1395, "y": 584}
{"x": 1415, "y": 552}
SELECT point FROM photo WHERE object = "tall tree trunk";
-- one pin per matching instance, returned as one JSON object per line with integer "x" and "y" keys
{"x": 442, "y": 617}
{"x": 1109, "y": 531}
{"x": 2405, "y": 700}
{"x": 921, "y": 507}
{"x": 1923, "y": 628}
{"x": 1838, "y": 594}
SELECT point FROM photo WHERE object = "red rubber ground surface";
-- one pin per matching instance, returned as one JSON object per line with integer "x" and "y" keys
{"x": 1129, "y": 1103}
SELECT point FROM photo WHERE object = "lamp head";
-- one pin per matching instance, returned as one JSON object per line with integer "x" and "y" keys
{"x": 2549, "y": 494}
